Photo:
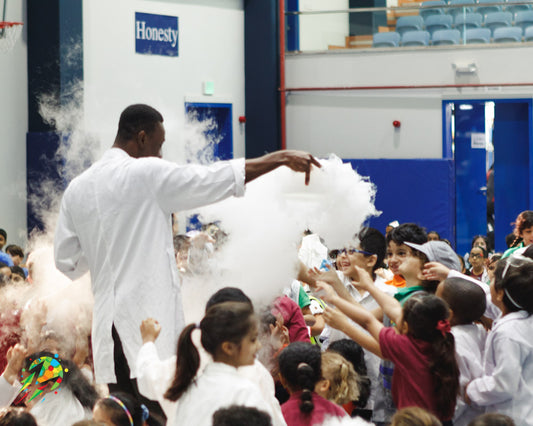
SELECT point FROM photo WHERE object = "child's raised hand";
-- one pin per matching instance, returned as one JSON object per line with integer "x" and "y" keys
{"x": 15, "y": 358}
{"x": 335, "y": 318}
{"x": 435, "y": 271}
{"x": 365, "y": 280}
{"x": 325, "y": 292}
{"x": 330, "y": 276}
{"x": 150, "y": 329}
{"x": 279, "y": 335}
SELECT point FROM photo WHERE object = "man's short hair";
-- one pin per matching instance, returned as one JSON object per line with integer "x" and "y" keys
{"x": 136, "y": 118}
{"x": 3, "y": 233}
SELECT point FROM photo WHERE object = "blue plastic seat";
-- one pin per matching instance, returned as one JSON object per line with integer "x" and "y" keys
{"x": 507, "y": 35}
{"x": 415, "y": 38}
{"x": 445, "y": 37}
{"x": 477, "y": 35}
{"x": 485, "y": 6}
{"x": 466, "y": 8}
{"x": 430, "y": 8}
{"x": 390, "y": 39}
{"x": 438, "y": 22}
{"x": 514, "y": 8}
{"x": 409, "y": 23}
{"x": 498, "y": 20}
{"x": 523, "y": 19}
{"x": 468, "y": 21}
{"x": 528, "y": 34}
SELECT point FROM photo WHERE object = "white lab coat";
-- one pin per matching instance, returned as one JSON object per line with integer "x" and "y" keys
{"x": 507, "y": 384}
{"x": 115, "y": 220}
{"x": 469, "y": 347}
{"x": 154, "y": 377}
{"x": 220, "y": 386}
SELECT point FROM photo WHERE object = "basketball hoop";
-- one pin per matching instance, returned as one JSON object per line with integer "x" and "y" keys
{"x": 9, "y": 34}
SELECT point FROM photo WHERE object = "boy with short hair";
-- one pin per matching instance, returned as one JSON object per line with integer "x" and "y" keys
{"x": 397, "y": 251}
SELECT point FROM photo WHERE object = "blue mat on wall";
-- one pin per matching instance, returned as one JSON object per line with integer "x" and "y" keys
{"x": 419, "y": 191}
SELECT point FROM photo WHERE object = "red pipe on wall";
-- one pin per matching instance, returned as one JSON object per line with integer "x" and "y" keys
{"x": 282, "y": 89}
{"x": 429, "y": 86}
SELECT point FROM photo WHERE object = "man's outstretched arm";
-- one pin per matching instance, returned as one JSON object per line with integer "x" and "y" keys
{"x": 299, "y": 161}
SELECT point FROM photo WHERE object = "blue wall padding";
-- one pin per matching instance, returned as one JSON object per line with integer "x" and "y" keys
{"x": 419, "y": 191}
{"x": 470, "y": 177}
{"x": 43, "y": 173}
{"x": 512, "y": 169}
{"x": 261, "y": 84}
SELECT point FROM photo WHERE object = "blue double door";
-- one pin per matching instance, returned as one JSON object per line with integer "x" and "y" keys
{"x": 491, "y": 144}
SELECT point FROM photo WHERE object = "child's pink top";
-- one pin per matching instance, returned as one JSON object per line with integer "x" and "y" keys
{"x": 323, "y": 408}
{"x": 293, "y": 318}
{"x": 412, "y": 383}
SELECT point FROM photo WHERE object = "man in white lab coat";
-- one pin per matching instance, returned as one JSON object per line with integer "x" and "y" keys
{"x": 115, "y": 220}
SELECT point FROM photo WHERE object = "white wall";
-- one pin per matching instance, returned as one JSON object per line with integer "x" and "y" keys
{"x": 353, "y": 126}
{"x": 358, "y": 123}
{"x": 13, "y": 127}
{"x": 319, "y": 31}
{"x": 211, "y": 47}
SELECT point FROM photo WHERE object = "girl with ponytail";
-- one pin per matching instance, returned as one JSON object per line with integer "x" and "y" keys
{"x": 421, "y": 347}
{"x": 229, "y": 333}
{"x": 300, "y": 371}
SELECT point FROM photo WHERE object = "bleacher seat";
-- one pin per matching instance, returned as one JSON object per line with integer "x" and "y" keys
{"x": 454, "y": 11}
{"x": 523, "y": 19}
{"x": 528, "y": 34}
{"x": 430, "y": 8}
{"x": 390, "y": 39}
{"x": 498, "y": 20}
{"x": 415, "y": 38}
{"x": 468, "y": 21}
{"x": 438, "y": 22}
{"x": 445, "y": 37}
{"x": 477, "y": 35}
{"x": 514, "y": 8}
{"x": 488, "y": 8}
{"x": 507, "y": 35}
{"x": 409, "y": 23}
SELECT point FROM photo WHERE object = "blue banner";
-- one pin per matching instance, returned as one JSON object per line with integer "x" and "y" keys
{"x": 156, "y": 34}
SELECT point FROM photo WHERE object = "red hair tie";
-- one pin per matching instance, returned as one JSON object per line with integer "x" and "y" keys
{"x": 444, "y": 327}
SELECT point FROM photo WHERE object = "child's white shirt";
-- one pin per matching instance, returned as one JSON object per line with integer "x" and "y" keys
{"x": 154, "y": 377}
{"x": 219, "y": 386}
{"x": 469, "y": 347}
{"x": 506, "y": 386}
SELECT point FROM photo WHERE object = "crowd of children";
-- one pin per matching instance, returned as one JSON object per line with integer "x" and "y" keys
{"x": 394, "y": 329}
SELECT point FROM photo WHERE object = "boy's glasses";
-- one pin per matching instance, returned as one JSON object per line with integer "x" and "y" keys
{"x": 476, "y": 255}
{"x": 334, "y": 253}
